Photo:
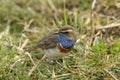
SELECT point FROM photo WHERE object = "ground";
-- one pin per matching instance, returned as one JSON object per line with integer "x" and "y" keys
{"x": 95, "y": 57}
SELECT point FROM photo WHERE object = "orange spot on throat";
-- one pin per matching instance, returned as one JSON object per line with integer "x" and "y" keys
{"x": 63, "y": 50}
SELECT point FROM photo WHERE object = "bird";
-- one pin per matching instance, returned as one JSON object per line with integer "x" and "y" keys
{"x": 59, "y": 43}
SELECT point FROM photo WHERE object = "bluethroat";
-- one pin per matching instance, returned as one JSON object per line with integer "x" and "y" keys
{"x": 59, "y": 43}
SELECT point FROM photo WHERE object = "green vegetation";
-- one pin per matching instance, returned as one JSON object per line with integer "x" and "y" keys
{"x": 95, "y": 57}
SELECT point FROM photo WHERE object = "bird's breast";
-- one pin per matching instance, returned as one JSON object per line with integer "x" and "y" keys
{"x": 54, "y": 53}
{"x": 63, "y": 50}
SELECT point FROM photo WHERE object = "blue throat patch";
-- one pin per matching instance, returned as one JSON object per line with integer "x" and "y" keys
{"x": 65, "y": 41}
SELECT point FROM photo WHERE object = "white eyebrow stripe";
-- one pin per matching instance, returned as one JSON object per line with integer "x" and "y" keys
{"x": 67, "y": 30}
{"x": 70, "y": 30}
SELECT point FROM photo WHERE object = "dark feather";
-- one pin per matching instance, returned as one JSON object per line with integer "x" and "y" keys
{"x": 49, "y": 41}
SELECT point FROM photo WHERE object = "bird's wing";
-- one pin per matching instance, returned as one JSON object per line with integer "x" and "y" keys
{"x": 49, "y": 41}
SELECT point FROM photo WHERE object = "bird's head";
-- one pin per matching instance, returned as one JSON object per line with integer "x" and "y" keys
{"x": 69, "y": 31}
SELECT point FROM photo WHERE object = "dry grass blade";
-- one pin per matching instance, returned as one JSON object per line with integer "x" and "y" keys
{"x": 67, "y": 74}
{"x": 51, "y": 5}
{"x": 93, "y": 4}
{"x": 92, "y": 21}
{"x": 109, "y": 26}
{"x": 12, "y": 66}
{"x": 112, "y": 75}
{"x": 35, "y": 66}
{"x": 30, "y": 58}
{"x": 25, "y": 43}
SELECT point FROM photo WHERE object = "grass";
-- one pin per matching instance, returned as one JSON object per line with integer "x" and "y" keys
{"x": 24, "y": 22}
